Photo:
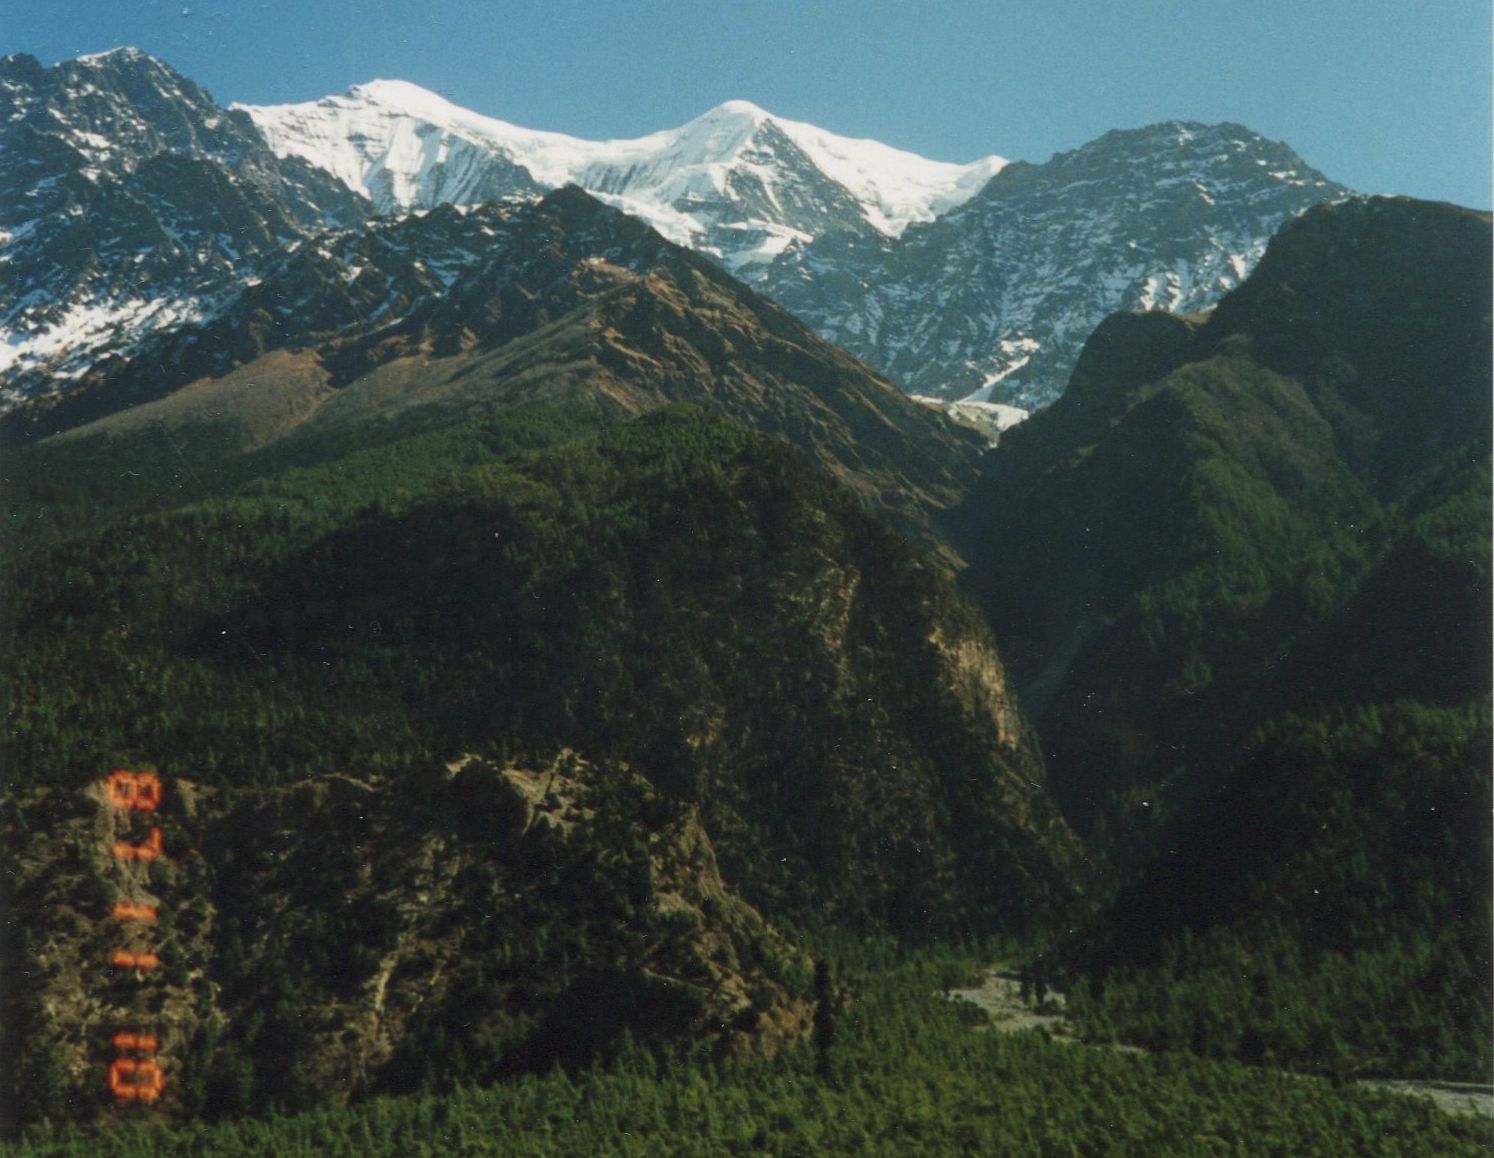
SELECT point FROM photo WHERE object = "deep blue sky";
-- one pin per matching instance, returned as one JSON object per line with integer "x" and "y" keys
{"x": 1384, "y": 95}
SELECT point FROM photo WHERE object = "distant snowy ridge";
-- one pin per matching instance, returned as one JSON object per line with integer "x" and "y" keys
{"x": 737, "y": 182}
{"x": 993, "y": 300}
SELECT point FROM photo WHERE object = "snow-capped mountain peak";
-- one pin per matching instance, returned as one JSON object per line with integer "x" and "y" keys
{"x": 897, "y": 188}
{"x": 736, "y": 181}
{"x": 124, "y": 53}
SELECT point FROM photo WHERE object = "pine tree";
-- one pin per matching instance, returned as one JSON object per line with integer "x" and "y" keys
{"x": 825, "y": 1016}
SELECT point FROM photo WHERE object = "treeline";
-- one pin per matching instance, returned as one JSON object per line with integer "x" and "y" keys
{"x": 85, "y": 481}
{"x": 906, "y": 1073}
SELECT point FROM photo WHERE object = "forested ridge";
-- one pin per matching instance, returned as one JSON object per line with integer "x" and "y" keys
{"x": 656, "y": 593}
{"x": 1261, "y": 677}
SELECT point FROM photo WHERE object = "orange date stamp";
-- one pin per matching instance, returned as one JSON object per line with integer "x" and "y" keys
{"x": 134, "y": 1076}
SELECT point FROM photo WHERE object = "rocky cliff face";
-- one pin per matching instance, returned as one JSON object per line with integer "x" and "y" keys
{"x": 349, "y": 935}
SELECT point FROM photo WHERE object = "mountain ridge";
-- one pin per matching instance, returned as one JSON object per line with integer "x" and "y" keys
{"x": 994, "y": 299}
{"x": 974, "y": 281}
{"x": 1271, "y": 429}
{"x": 514, "y": 303}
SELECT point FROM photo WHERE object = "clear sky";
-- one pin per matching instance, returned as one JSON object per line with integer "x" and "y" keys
{"x": 1386, "y": 96}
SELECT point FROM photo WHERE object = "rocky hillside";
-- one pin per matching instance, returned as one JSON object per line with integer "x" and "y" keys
{"x": 323, "y": 941}
{"x": 998, "y": 295}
